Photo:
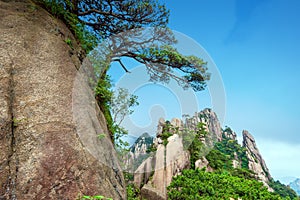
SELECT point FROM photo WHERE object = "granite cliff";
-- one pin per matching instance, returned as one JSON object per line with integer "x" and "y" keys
{"x": 156, "y": 172}
{"x": 42, "y": 156}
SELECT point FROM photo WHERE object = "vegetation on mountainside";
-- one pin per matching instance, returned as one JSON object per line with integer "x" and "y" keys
{"x": 234, "y": 150}
{"x": 283, "y": 190}
{"x": 225, "y": 181}
{"x": 192, "y": 141}
{"x": 132, "y": 192}
{"x": 221, "y": 161}
{"x": 167, "y": 131}
{"x": 198, "y": 184}
{"x": 96, "y": 197}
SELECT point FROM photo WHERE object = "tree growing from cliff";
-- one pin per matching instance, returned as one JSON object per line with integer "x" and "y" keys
{"x": 113, "y": 17}
{"x": 192, "y": 142}
{"x": 122, "y": 104}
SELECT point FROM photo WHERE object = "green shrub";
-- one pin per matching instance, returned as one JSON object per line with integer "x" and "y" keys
{"x": 164, "y": 136}
{"x": 84, "y": 197}
{"x": 231, "y": 147}
{"x": 132, "y": 192}
{"x": 283, "y": 190}
{"x": 192, "y": 141}
{"x": 198, "y": 184}
{"x": 58, "y": 8}
{"x": 218, "y": 160}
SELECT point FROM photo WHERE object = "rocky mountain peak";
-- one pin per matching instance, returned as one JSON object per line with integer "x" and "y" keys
{"x": 162, "y": 124}
{"x": 229, "y": 133}
{"x": 256, "y": 162}
{"x": 248, "y": 138}
{"x": 142, "y": 144}
{"x": 156, "y": 172}
{"x": 210, "y": 119}
{"x": 138, "y": 152}
{"x": 176, "y": 122}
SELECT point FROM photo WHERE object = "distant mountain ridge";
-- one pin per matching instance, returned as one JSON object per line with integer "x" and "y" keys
{"x": 142, "y": 143}
{"x": 138, "y": 152}
{"x": 295, "y": 185}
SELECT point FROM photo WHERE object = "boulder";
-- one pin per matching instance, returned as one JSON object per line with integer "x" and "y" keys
{"x": 150, "y": 193}
{"x": 203, "y": 162}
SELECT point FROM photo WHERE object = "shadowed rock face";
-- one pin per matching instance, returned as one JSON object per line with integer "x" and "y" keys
{"x": 42, "y": 156}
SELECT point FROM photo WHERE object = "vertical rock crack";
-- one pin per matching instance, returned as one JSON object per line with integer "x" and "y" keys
{"x": 12, "y": 162}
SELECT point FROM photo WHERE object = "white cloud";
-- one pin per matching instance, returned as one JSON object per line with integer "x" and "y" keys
{"x": 282, "y": 159}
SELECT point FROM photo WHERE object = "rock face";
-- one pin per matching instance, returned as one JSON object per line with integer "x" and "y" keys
{"x": 228, "y": 133}
{"x": 295, "y": 185}
{"x": 256, "y": 162}
{"x": 152, "y": 193}
{"x": 144, "y": 171}
{"x": 210, "y": 119}
{"x": 168, "y": 161}
{"x": 203, "y": 162}
{"x": 41, "y": 155}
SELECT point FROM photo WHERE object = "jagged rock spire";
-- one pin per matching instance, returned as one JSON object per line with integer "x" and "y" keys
{"x": 256, "y": 162}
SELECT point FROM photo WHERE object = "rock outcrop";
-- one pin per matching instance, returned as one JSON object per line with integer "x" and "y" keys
{"x": 203, "y": 162}
{"x": 256, "y": 162}
{"x": 156, "y": 172}
{"x": 152, "y": 193}
{"x": 210, "y": 119}
{"x": 228, "y": 133}
{"x": 144, "y": 172}
{"x": 42, "y": 156}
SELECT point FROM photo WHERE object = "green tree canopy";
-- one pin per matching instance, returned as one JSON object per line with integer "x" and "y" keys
{"x": 125, "y": 22}
{"x": 110, "y": 17}
{"x": 198, "y": 184}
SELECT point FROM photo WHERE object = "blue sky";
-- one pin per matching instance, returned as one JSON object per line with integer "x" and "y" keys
{"x": 255, "y": 45}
